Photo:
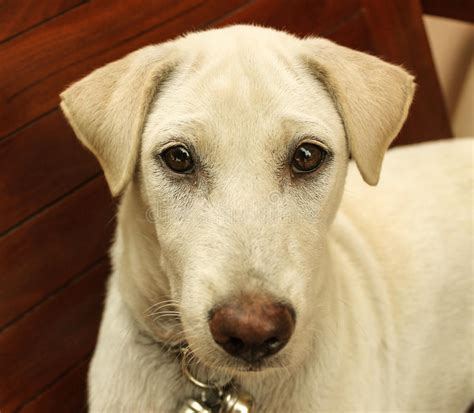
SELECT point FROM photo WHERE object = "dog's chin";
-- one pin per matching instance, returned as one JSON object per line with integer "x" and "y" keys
{"x": 232, "y": 366}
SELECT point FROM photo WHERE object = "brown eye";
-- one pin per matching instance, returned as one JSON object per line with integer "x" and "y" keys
{"x": 307, "y": 158}
{"x": 178, "y": 159}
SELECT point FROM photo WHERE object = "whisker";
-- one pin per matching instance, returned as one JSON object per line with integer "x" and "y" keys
{"x": 161, "y": 304}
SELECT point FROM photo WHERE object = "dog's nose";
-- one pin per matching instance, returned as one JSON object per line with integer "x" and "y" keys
{"x": 252, "y": 327}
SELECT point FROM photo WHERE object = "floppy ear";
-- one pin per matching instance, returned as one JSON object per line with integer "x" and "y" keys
{"x": 107, "y": 109}
{"x": 372, "y": 97}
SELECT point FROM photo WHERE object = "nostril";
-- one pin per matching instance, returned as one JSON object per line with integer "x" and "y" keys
{"x": 272, "y": 343}
{"x": 234, "y": 345}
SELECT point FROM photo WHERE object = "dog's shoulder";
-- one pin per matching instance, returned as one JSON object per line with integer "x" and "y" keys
{"x": 420, "y": 180}
{"x": 417, "y": 222}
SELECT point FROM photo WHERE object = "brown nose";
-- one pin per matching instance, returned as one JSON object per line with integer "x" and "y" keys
{"x": 252, "y": 327}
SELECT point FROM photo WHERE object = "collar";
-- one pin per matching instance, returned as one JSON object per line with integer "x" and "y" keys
{"x": 213, "y": 398}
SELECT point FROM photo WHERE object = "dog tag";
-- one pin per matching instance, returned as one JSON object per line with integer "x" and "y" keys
{"x": 211, "y": 401}
{"x": 233, "y": 402}
{"x": 214, "y": 399}
{"x": 193, "y": 406}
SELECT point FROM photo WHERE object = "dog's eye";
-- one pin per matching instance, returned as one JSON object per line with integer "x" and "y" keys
{"x": 178, "y": 159}
{"x": 308, "y": 157}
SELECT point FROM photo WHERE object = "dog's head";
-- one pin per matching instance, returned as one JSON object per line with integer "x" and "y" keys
{"x": 231, "y": 148}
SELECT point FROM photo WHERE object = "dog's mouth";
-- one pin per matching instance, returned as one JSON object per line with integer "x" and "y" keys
{"x": 224, "y": 369}
{"x": 252, "y": 368}
{"x": 216, "y": 360}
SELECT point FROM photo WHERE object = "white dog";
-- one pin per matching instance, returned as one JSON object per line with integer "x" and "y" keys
{"x": 235, "y": 236}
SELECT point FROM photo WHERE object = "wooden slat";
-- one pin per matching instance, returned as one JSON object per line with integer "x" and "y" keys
{"x": 302, "y": 17}
{"x": 51, "y": 339}
{"x": 49, "y": 250}
{"x": 343, "y": 22}
{"x": 17, "y": 16}
{"x": 67, "y": 395}
{"x": 399, "y": 36}
{"x": 87, "y": 37}
{"x": 353, "y": 32}
{"x": 38, "y": 165}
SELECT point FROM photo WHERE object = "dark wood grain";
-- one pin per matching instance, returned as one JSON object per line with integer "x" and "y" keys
{"x": 49, "y": 340}
{"x": 38, "y": 165}
{"x": 17, "y": 16}
{"x": 49, "y": 250}
{"x": 353, "y": 33}
{"x": 66, "y": 395}
{"x": 69, "y": 47}
{"x": 302, "y": 17}
{"x": 399, "y": 36}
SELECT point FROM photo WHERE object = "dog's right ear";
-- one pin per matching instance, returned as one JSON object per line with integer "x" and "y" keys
{"x": 372, "y": 97}
{"x": 107, "y": 109}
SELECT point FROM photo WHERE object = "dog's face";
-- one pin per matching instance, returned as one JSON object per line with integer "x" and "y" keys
{"x": 242, "y": 164}
{"x": 239, "y": 159}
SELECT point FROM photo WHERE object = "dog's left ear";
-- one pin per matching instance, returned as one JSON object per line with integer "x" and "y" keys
{"x": 372, "y": 97}
{"x": 107, "y": 109}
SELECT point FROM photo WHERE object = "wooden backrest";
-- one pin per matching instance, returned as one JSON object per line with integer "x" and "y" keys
{"x": 56, "y": 216}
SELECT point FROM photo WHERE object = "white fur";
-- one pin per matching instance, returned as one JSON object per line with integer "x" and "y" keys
{"x": 381, "y": 280}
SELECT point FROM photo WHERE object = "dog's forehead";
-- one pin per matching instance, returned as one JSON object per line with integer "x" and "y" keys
{"x": 241, "y": 66}
{"x": 241, "y": 85}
